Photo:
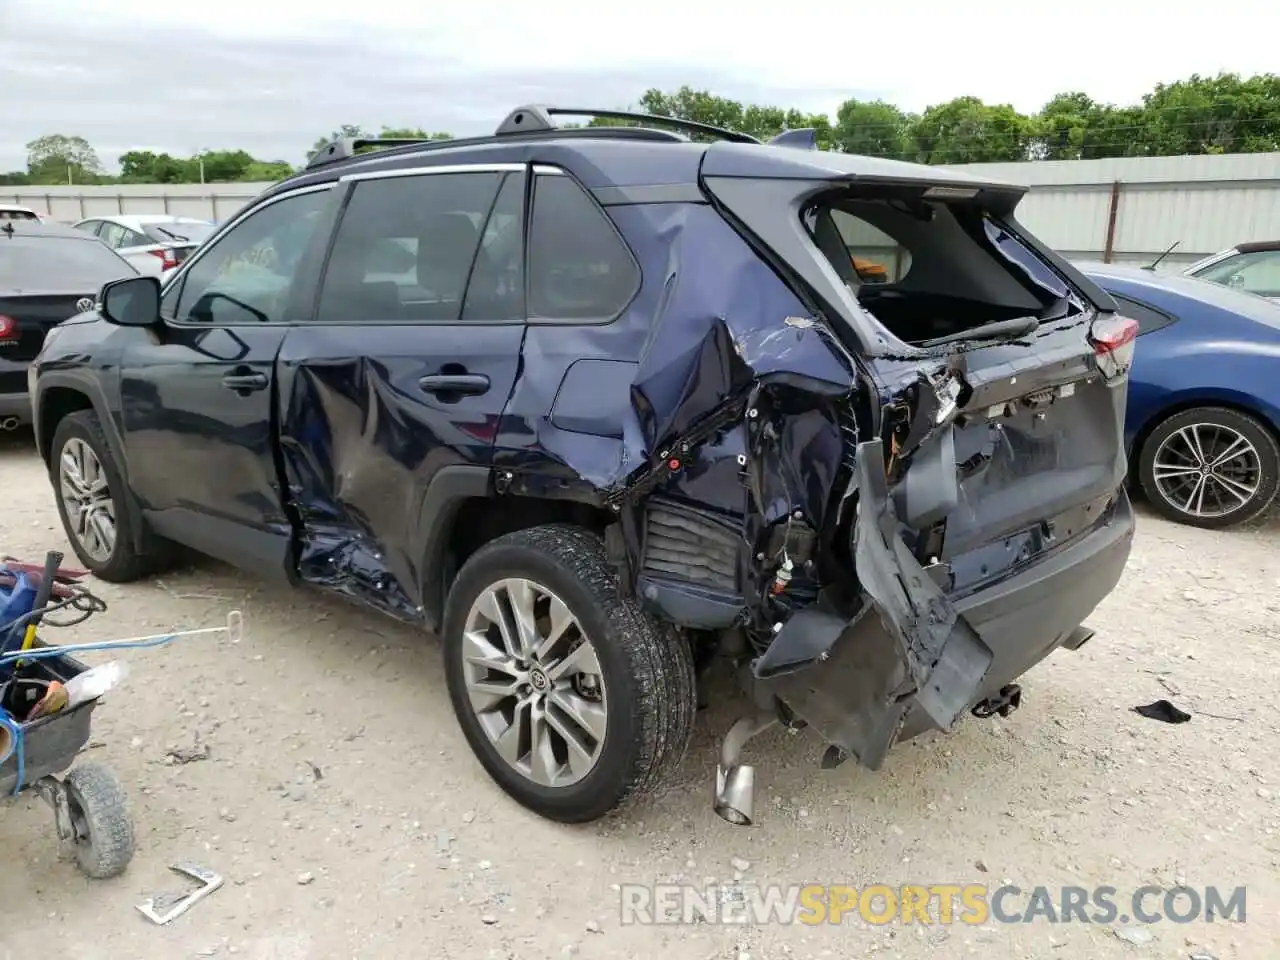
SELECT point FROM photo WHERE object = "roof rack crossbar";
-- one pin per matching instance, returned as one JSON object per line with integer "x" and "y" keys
{"x": 538, "y": 117}
{"x": 345, "y": 147}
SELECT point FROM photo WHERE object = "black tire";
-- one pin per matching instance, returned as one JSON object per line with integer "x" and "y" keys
{"x": 1252, "y": 430}
{"x": 100, "y": 816}
{"x": 129, "y": 560}
{"x": 646, "y": 669}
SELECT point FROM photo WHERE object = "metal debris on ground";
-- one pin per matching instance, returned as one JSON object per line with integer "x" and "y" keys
{"x": 166, "y": 907}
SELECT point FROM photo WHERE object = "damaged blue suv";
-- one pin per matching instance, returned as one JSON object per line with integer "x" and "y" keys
{"x": 600, "y": 405}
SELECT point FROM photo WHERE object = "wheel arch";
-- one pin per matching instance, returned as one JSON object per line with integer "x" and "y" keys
{"x": 461, "y": 512}
{"x": 56, "y": 398}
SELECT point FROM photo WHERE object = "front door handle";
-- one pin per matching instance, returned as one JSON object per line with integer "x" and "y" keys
{"x": 468, "y": 384}
{"x": 245, "y": 381}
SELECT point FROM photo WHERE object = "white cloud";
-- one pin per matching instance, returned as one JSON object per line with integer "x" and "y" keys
{"x": 276, "y": 76}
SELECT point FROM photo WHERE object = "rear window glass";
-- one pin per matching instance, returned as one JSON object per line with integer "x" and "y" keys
{"x": 177, "y": 232}
{"x": 58, "y": 263}
{"x": 579, "y": 268}
{"x": 929, "y": 269}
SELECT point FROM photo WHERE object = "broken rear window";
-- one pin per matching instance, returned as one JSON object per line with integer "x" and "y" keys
{"x": 929, "y": 269}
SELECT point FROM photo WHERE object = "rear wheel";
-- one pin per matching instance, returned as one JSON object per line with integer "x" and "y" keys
{"x": 572, "y": 698}
{"x": 93, "y": 504}
{"x": 1210, "y": 467}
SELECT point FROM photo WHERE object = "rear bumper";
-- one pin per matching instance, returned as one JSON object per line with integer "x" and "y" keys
{"x": 913, "y": 659}
{"x": 1025, "y": 618}
{"x": 15, "y": 405}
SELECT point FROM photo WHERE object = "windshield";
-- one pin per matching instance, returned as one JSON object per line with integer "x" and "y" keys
{"x": 58, "y": 263}
{"x": 185, "y": 231}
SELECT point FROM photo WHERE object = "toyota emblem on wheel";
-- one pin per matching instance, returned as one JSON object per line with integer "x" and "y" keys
{"x": 84, "y": 303}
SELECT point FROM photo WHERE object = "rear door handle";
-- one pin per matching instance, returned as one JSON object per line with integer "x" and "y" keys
{"x": 245, "y": 381}
{"x": 469, "y": 384}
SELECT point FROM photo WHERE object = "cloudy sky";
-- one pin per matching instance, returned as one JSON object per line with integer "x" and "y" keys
{"x": 272, "y": 77}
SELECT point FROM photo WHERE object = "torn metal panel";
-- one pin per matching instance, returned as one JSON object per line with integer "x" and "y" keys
{"x": 710, "y": 322}
{"x": 945, "y": 658}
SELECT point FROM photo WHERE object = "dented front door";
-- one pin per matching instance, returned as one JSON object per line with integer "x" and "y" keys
{"x": 402, "y": 373}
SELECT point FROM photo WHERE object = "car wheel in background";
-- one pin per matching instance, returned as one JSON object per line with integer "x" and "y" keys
{"x": 1210, "y": 467}
{"x": 572, "y": 698}
{"x": 96, "y": 513}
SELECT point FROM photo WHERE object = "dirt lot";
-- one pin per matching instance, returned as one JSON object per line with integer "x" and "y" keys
{"x": 1074, "y": 789}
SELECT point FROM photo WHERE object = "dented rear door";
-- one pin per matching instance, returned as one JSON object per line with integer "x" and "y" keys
{"x": 405, "y": 370}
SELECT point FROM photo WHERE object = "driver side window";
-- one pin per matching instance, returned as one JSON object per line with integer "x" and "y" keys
{"x": 247, "y": 275}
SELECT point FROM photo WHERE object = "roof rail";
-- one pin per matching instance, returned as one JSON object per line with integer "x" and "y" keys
{"x": 537, "y": 117}
{"x": 345, "y": 147}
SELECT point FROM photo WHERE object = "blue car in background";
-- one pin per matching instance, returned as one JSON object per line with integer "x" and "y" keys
{"x": 1204, "y": 395}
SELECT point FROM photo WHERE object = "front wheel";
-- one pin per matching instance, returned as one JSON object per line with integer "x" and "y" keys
{"x": 1210, "y": 467}
{"x": 572, "y": 698}
{"x": 94, "y": 505}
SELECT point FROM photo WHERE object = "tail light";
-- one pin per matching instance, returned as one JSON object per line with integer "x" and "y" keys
{"x": 1114, "y": 338}
{"x": 8, "y": 328}
{"x": 166, "y": 256}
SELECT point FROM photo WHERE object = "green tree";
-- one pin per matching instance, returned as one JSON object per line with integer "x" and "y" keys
{"x": 1222, "y": 114}
{"x": 261, "y": 171}
{"x": 966, "y": 130}
{"x": 873, "y": 128}
{"x": 57, "y": 158}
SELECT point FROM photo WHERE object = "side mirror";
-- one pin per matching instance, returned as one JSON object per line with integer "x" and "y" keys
{"x": 132, "y": 302}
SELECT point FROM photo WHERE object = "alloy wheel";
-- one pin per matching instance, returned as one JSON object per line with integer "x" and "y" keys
{"x": 534, "y": 682}
{"x": 91, "y": 514}
{"x": 1207, "y": 470}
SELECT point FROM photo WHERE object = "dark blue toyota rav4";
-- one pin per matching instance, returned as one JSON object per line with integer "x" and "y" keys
{"x": 598, "y": 404}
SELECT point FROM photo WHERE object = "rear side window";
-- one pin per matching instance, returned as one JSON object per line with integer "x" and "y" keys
{"x": 405, "y": 248}
{"x": 58, "y": 264}
{"x": 1148, "y": 317}
{"x": 579, "y": 267}
{"x": 12, "y": 213}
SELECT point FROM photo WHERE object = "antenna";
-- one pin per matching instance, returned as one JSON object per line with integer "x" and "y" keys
{"x": 1156, "y": 262}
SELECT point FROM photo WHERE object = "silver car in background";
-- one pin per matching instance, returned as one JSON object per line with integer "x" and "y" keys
{"x": 153, "y": 243}
{"x": 1251, "y": 267}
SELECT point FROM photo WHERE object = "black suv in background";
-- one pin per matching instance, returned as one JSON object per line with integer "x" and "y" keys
{"x": 599, "y": 403}
{"x": 48, "y": 272}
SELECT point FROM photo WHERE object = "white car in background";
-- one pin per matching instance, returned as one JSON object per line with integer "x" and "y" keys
{"x": 153, "y": 243}
{"x": 1251, "y": 267}
{"x": 11, "y": 211}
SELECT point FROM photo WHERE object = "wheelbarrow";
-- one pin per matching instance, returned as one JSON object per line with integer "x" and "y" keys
{"x": 90, "y": 812}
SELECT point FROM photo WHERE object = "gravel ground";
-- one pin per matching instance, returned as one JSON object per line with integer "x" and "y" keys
{"x": 350, "y": 819}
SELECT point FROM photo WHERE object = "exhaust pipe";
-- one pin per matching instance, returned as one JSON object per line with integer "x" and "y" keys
{"x": 9, "y": 423}
{"x": 736, "y": 782}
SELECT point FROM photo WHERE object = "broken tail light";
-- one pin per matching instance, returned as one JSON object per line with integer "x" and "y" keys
{"x": 1114, "y": 338}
